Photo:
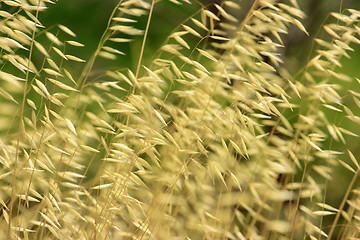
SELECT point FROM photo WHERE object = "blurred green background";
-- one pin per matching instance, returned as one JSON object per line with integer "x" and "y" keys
{"x": 88, "y": 19}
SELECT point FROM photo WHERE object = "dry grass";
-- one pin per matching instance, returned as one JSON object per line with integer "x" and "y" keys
{"x": 213, "y": 139}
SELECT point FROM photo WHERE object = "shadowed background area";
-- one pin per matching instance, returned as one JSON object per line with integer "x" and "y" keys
{"x": 88, "y": 19}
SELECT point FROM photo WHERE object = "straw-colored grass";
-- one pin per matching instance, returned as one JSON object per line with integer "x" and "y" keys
{"x": 212, "y": 138}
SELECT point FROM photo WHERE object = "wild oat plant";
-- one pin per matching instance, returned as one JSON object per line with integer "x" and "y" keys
{"x": 211, "y": 138}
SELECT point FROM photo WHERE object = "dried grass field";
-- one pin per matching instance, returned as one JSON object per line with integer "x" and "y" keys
{"x": 183, "y": 119}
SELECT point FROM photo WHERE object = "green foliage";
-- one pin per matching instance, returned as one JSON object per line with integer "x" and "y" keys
{"x": 208, "y": 137}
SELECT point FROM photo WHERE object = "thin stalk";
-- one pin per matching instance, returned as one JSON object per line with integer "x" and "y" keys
{"x": 343, "y": 203}
{"x": 103, "y": 39}
{"x": 144, "y": 40}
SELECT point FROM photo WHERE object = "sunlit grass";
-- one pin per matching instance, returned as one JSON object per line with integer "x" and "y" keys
{"x": 210, "y": 137}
